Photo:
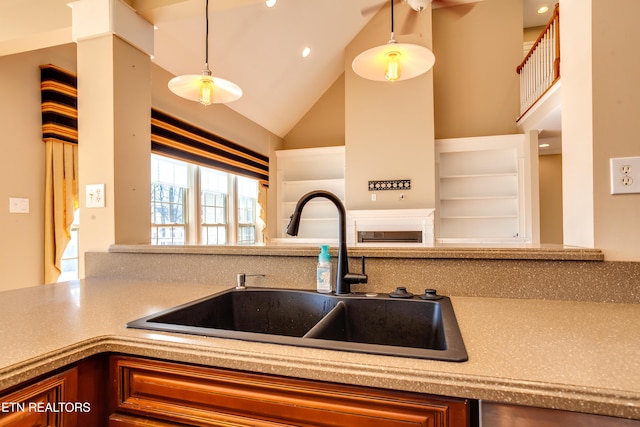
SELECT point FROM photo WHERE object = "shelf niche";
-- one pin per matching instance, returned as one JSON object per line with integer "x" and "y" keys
{"x": 487, "y": 189}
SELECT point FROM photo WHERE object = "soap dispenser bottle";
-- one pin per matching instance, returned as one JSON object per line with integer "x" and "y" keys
{"x": 323, "y": 275}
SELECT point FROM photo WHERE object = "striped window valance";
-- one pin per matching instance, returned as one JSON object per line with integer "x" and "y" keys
{"x": 175, "y": 138}
{"x": 59, "y": 104}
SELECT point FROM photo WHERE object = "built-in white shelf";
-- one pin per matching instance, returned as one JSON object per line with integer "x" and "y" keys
{"x": 300, "y": 171}
{"x": 484, "y": 189}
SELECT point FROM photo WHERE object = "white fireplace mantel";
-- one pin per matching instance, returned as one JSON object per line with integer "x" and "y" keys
{"x": 391, "y": 220}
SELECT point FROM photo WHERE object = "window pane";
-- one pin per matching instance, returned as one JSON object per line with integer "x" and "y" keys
{"x": 247, "y": 208}
{"x": 214, "y": 235}
{"x": 169, "y": 184}
{"x": 169, "y": 171}
{"x": 168, "y": 235}
{"x": 214, "y": 206}
{"x": 214, "y": 181}
{"x": 69, "y": 260}
{"x": 246, "y": 234}
{"x": 247, "y": 187}
{"x": 167, "y": 204}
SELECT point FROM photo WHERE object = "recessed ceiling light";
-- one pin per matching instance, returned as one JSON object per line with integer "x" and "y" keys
{"x": 306, "y": 51}
{"x": 543, "y": 9}
{"x": 271, "y": 3}
{"x": 544, "y": 145}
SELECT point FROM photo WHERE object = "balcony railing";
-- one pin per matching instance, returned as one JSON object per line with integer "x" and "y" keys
{"x": 540, "y": 69}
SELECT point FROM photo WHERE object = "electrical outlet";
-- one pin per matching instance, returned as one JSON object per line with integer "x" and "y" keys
{"x": 18, "y": 205}
{"x": 94, "y": 196}
{"x": 625, "y": 175}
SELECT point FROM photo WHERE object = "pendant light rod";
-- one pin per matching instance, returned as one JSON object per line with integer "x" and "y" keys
{"x": 203, "y": 87}
{"x": 393, "y": 33}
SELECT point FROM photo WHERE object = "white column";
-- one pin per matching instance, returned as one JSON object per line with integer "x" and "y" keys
{"x": 114, "y": 108}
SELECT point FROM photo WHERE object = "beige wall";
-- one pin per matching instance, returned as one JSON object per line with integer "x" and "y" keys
{"x": 22, "y": 163}
{"x": 531, "y": 34}
{"x": 600, "y": 106}
{"x": 324, "y": 123}
{"x": 474, "y": 75}
{"x": 389, "y": 126}
{"x": 550, "y": 169}
{"x": 616, "y": 108}
{"x": 477, "y": 48}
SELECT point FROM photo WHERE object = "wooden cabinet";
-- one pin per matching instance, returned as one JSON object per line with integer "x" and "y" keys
{"x": 44, "y": 403}
{"x": 157, "y": 393}
{"x": 300, "y": 171}
{"x": 75, "y": 396}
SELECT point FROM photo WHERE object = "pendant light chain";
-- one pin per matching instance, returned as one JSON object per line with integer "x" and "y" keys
{"x": 206, "y": 42}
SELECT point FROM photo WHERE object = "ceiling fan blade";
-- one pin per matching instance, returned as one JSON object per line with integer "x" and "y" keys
{"x": 370, "y": 10}
{"x": 445, "y": 3}
{"x": 462, "y": 7}
{"x": 449, "y": 3}
{"x": 410, "y": 24}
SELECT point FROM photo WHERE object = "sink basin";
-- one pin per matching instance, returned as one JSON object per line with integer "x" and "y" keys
{"x": 379, "y": 324}
{"x": 273, "y": 312}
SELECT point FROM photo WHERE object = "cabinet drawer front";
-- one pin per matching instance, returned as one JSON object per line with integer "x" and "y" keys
{"x": 209, "y": 396}
{"x": 38, "y": 404}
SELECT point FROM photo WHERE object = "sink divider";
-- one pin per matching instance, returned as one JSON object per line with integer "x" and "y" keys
{"x": 339, "y": 310}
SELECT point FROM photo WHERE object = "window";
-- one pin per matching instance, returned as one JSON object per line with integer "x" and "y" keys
{"x": 69, "y": 262}
{"x": 195, "y": 204}
{"x": 247, "y": 204}
{"x": 214, "y": 204}
{"x": 169, "y": 188}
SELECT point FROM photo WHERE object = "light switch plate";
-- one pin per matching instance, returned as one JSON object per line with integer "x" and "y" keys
{"x": 625, "y": 175}
{"x": 18, "y": 205}
{"x": 95, "y": 196}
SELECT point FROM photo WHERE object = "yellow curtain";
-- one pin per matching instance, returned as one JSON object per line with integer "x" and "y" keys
{"x": 262, "y": 210}
{"x": 61, "y": 199}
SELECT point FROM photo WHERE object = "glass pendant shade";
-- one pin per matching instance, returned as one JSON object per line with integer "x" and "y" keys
{"x": 393, "y": 61}
{"x": 205, "y": 88}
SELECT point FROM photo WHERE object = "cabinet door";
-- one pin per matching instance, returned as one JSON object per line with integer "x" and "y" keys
{"x": 42, "y": 403}
{"x": 193, "y": 395}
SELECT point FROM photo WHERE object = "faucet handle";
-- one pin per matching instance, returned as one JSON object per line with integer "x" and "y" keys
{"x": 352, "y": 278}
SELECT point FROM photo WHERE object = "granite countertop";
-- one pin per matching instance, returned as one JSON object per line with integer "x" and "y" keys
{"x": 437, "y": 251}
{"x": 580, "y": 356}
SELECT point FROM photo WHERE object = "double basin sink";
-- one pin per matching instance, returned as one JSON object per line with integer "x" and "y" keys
{"x": 376, "y": 324}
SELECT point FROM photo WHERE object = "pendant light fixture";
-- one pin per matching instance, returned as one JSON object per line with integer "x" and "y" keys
{"x": 393, "y": 61}
{"x": 204, "y": 88}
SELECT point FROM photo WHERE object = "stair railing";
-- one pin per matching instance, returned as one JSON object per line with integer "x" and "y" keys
{"x": 540, "y": 68}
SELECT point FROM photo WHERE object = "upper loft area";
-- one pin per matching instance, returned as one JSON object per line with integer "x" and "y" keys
{"x": 540, "y": 84}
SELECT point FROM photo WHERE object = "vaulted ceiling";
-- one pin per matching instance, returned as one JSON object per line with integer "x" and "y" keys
{"x": 256, "y": 47}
